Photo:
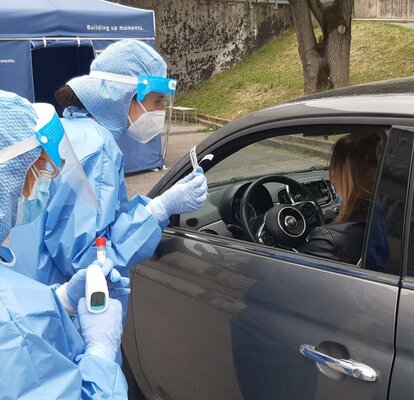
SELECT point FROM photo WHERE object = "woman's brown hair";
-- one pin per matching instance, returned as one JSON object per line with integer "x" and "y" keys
{"x": 66, "y": 97}
{"x": 352, "y": 170}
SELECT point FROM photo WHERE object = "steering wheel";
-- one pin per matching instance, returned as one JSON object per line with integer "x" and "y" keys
{"x": 286, "y": 225}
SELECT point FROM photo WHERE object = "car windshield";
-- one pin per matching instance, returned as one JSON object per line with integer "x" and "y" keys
{"x": 274, "y": 156}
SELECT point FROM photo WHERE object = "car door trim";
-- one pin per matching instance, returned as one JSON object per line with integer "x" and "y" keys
{"x": 285, "y": 255}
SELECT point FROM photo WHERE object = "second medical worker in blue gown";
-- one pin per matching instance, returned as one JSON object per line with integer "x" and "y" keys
{"x": 126, "y": 92}
{"x": 42, "y": 355}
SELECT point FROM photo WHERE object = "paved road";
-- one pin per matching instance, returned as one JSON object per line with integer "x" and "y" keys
{"x": 182, "y": 139}
{"x": 273, "y": 159}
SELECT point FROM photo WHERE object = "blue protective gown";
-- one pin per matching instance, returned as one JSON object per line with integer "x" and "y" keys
{"x": 41, "y": 352}
{"x": 61, "y": 240}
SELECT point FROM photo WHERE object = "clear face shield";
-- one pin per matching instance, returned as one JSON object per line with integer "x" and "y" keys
{"x": 155, "y": 96}
{"x": 57, "y": 161}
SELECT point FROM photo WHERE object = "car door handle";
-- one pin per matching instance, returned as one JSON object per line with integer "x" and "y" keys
{"x": 351, "y": 368}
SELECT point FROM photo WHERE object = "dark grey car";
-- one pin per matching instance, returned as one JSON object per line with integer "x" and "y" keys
{"x": 222, "y": 312}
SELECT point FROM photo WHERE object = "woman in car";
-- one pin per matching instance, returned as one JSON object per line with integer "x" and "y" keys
{"x": 353, "y": 168}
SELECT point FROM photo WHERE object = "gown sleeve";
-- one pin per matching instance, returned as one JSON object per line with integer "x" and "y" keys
{"x": 41, "y": 351}
{"x": 72, "y": 226}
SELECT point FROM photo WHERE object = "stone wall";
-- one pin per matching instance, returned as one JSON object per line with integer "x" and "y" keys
{"x": 199, "y": 38}
{"x": 384, "y": 9}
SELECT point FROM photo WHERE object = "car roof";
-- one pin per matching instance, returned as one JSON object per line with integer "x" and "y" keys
{"x": 392, "y": 98}
{"x": 385, "y": 98}
{"x": 395, "y": 86}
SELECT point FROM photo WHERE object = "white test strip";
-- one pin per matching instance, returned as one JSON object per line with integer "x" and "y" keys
{"x": 208, "y": 157}
{"x": 193, "y": 157}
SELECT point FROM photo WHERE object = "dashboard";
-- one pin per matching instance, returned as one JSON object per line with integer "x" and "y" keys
{"x": 321, "y": 189}
{"x": 221, "y": 212}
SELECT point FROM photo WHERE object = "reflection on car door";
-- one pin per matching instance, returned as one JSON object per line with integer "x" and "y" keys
{"x": 214, "y": 322}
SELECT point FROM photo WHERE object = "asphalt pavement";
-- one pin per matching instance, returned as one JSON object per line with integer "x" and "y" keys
{"x": 182, "y": 139}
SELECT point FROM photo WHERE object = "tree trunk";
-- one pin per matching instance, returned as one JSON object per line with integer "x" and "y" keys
{"x": 338, "y": 41}
{"x": 325, "y": 63}
{"x": 309, "y": 53}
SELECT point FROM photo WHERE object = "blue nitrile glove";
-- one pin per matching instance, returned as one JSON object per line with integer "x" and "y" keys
{"x": 101, "y": 332}
{"x": 118, "y": 285}
{"x": 187, "y": 195}
{"x": 70, "y": 292}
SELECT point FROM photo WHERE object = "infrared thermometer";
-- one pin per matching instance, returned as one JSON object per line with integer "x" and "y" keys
{"x": 96, "y": 290}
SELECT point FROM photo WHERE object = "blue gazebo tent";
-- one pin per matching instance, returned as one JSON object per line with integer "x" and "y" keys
{"x": 44, "y": 43}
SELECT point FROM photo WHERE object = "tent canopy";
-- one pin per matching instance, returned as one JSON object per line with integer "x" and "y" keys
{"x": 44, "y": 43}
{"x": 84, "y": 18}
{"x": 33, "y": 33}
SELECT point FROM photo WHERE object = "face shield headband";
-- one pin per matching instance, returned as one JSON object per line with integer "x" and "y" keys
{"x": 50, "y": 135}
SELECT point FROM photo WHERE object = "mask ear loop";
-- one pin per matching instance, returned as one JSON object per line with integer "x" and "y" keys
{"x": 46, "y": 174}
{"x": 55, "y": 173}
{"x": 143, "y": 108}
{"x": 36, "y": 173}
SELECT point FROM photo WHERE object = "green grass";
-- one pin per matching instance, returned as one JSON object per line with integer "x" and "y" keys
{"x": 273, "y": 74}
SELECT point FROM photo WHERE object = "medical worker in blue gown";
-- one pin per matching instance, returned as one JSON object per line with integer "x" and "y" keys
{"x": 126, "y": 93}
{"x": 42, "y": 355}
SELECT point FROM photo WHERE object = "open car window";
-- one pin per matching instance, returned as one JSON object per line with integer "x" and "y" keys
{"x": 305, "y": 207}
{"x": 277, "y": 155}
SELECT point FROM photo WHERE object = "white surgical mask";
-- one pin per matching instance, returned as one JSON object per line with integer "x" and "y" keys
{"x": 31, "y": 207}
{"x": 147, "y": 125}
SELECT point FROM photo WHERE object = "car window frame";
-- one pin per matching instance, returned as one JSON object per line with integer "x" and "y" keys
{"x": 403, "y": 245}
{"x": 407, "y": 217}
{"x": 355, "y": 124}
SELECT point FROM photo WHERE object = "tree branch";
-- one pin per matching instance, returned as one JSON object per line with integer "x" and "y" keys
{"x": 303, "y": 24}
{"x": 317, "y": 10}
{"x": 307, "y": 44}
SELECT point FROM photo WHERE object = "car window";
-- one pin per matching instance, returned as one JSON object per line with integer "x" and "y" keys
{"x": 385, "y": 244}
{"x": 410, "y": 223}
{"x": 273, "y": 156}
{"x": 300, "y": 158}
{"x": 410, "y": 253}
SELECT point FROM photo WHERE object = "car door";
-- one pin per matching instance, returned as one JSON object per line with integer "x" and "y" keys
{"x": 220, "y": 318}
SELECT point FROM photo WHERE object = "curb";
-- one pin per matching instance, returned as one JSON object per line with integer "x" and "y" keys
{"x": 309, "y": 149}
{"x": 209, "y": 120}
{"x": 390, "y": 20}
{"x": 181, "y": 133}
{"x": 318, "y": 144}
{"x": 316, "y": 147}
